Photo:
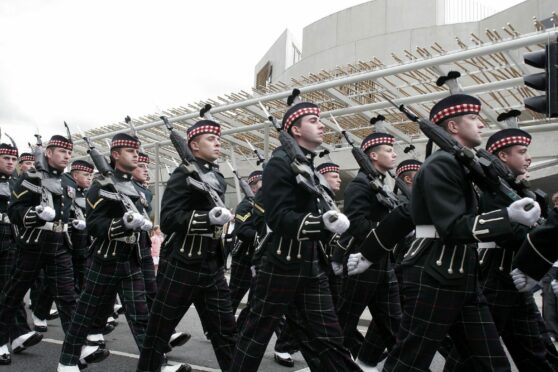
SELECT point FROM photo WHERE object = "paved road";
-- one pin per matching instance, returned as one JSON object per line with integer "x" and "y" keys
{"x": 124, "y": 354}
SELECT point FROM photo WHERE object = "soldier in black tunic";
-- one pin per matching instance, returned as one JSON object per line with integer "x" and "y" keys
{"x": 141, "y": 176}
{"x": 194, "y": 268}
{"x": 74, "y": 185}
{"x": 114, "y": 220}
{"x": 244, "y": 237}
{"x": 39, "y": 211}
{"x": 376, "y": 288}
{"x": 515, "y": 313}
{"x": 293, "y": 269}
{"x": 19, "y": 332}
{"x": 439, "y": 271}
{"x": 330, "y": 171}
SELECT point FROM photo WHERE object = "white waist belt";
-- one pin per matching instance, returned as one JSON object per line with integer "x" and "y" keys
{"x": 55, "y": 227}
{"x": 426, "y": 231}
{"x": 485, "y": 245}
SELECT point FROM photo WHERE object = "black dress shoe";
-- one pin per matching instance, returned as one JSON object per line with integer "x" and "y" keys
{"x": 33, "y": 340}
{"x": 99, "y": 343}
{"x": 53, "y": 315}
{"x": 41, "y": 329}
{"x": 97, "y": 356}
{"x": 109, "y": 327}
{"x": 286, "y": 362}
{"x": 180, "y": 340}
{"x": 5, "y": 359}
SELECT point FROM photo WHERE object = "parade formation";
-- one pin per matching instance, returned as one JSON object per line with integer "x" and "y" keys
{"x": 446, "y": 261}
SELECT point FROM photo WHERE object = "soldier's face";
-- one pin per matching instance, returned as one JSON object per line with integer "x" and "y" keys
{"x": 334, "y": 180}
{"x": 256, "y": 186}
{"x": 26, "y": 165}
{"x": 384, "y": 157}
{"x": 309, "y": 131}
{"x": 517, "y": 158}
{"x": 58, "y": 157}
{"x": 83, "y": 179}
{"x": 469, "y": 129}
{"x": 141, "y": 173}
{"x": 126, "y": 159}
{"x": 206, "y": 146}
{"x": 7, "y": 164}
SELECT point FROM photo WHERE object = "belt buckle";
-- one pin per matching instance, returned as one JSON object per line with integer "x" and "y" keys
{"x": 130, "y": 239}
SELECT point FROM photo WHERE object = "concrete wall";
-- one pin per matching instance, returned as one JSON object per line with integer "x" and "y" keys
{"x": 380, "y": 27}
{"x": 280, "y": 55}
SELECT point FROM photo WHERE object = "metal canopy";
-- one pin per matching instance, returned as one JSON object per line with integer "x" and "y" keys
{"x": 491, "y": 67}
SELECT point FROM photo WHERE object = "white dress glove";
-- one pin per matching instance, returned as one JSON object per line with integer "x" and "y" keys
{"x": 518, "y": 214}
{"x": 554, "y": 285}
{"x": 339, "y": 225}
{"x": 219, "y": 216}
{"x": 147, "y": 224}
{"x": 45, "y": 213}
{"x": 79, "y": 224}
{"x": 357, "y": 264}
{"x": 337, "y": 268}
{"x": 522, "y": 281}
{"x": 132, "y": 220}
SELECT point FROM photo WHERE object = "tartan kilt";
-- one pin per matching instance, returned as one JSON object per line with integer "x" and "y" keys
{"x": 433, "y": 309}
{"x": 241, "y": 279}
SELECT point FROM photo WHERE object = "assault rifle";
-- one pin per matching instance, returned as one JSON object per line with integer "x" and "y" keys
{"x": 483, "y": 168}
{"x": 243, "y": 184}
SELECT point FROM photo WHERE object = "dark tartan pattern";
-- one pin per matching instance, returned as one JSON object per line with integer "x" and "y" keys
{"x": 52, "y": 255}
{"x": 104, "y": 279}
{"x": 275, "y": 292}
{"x": 19, "y": 325}
{"x": 430, "y": 311}
{"x": 241, "y": 278}
{"x": 376, "y": 289}
{"x": 150, "y": 285}
{"x": 203, "y": 285}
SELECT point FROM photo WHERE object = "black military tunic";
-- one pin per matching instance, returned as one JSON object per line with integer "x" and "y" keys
{"x": 292, "y": 273}
{"x": 115, "y": 265}
{"x": 440, "y": 272}
{"x": 79, "y": 241}
{"x": 193, "y": 272}
{"x": 376, "y": 288}
{"x": 244, "y": 235}
{"x": 40, "y": 245}
{"x": 515, "y": 313}
{"x": 19, "y": 325}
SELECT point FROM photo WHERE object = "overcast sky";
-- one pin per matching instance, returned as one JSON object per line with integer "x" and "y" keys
{"x": 93, "y": 62}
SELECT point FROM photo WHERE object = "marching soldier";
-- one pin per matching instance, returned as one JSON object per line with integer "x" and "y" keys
{"x": 439, "y": 270}
{"x": 78, "y": 182}
{"x": 515, "y": 313}
{"x": 194, "y": 268}
{"x": 18, "y": 330}
{"x": 241, "y": 275}
{"x": 330, "y": 171}
{"x": 114, "y": 220}
{"x": 293, "y": 266}
{"x": 250, "y": 230}
{"x": 141, "y": 176}
{"x": 38, "y": 210}
{"x": 376, "y": 288}
{"x": 74, "y": 185}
